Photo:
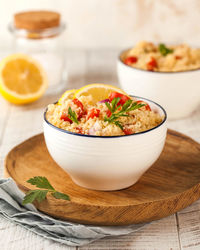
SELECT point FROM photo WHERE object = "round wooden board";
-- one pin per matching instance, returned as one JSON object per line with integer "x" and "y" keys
{"x": 171, "y": 184}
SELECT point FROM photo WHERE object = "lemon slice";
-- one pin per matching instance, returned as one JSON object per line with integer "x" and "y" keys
{"x": 98, "y": 91}
{"x": 67, "y": 95}
{"x": 22, "y": 79}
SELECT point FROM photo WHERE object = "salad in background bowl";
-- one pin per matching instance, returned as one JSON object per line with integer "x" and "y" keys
{"x": 104, "y": 138}
{"x": 169, "y": 75}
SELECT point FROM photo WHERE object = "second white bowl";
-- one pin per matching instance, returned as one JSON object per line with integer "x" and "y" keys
{"x": 177, "y": 92}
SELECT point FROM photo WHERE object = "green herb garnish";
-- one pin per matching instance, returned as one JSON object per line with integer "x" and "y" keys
{"x": 164, "y": 50}
{"x": 40, "y": 194}
{"x": 72, "y": 115}
{"x": 126, "y": 107}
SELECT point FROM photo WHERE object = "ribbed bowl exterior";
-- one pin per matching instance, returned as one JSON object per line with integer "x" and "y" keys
{"x": 100, "y": 163}
{"x": 177, "y": 92}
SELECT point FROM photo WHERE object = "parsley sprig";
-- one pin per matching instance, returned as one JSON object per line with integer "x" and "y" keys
{"x": 40, "y": 194}
{"x": 72, "y": 115}
{"x": 128, "y": 106}
{"x": 164, "y": 50}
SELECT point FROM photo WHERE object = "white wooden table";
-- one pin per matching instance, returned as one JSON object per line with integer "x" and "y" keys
{"x": 179, "y": 231}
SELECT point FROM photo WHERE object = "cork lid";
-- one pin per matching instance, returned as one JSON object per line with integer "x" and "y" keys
{"x": 36, "y": 20}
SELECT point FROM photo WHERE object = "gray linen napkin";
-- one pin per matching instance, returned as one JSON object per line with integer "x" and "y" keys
{"x": 71, "y": 234}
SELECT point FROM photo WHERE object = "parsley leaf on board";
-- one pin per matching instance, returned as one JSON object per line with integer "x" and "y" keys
{"x": 40, "y": 194}
{"x": 40, "y": 182}
{"x": 32, "y": 195}
{"x": 59, "y": 195}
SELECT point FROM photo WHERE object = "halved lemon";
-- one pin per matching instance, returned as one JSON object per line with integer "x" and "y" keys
{"x": 22, "y": 79}
{"x": 98, "y": 91}
{"x": 67, "y": 95}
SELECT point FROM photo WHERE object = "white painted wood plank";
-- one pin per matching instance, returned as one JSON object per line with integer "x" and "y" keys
{"x": 159, "y": 235}
{"x": 4, "y": 115}
{"x": 189, "y": 228}
{"x": 22, "y": 123}
{"x": 189, "y": 219}
{"x": 4, "y": 112}
{"x": 189, "y": 125}
{"x": 15, "y": 237}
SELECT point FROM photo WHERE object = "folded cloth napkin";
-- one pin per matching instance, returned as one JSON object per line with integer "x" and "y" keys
{"x": 71, "y": 234}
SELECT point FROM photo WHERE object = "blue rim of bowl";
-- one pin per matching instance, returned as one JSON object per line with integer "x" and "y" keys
{"x": 152, "y": 72}
{"x": 114, "y": 136}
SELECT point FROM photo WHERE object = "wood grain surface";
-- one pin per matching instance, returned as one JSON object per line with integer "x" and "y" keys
{"x": 170, "y": 185}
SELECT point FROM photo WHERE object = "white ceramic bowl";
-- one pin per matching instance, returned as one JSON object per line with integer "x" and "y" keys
{"x": 177, "y": 92}
{"x": 106, "y": 163}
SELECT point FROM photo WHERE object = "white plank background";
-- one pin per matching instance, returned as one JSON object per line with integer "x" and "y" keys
{"x": 179, "y": 231}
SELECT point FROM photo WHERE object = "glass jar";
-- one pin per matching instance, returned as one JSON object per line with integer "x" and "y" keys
{"x": 45, "y": 45}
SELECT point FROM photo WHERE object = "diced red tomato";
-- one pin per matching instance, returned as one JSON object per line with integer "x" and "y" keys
{"x": 93, "y": 113}
{"x": 178, "y": 57}
{"x": 82, "y": 114}
{"x": 152, "y": 64}
{"x": 79, "y": 130}
{"x": 147, "y": 107}
{"x": 124, "y": 98}
{"x": 127, "y": 131}
{"x": 130, "y": 60}
{"x": 79, "y": 104}
{"x": 108, "y": 113}
{"x": 65, "y": 118}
